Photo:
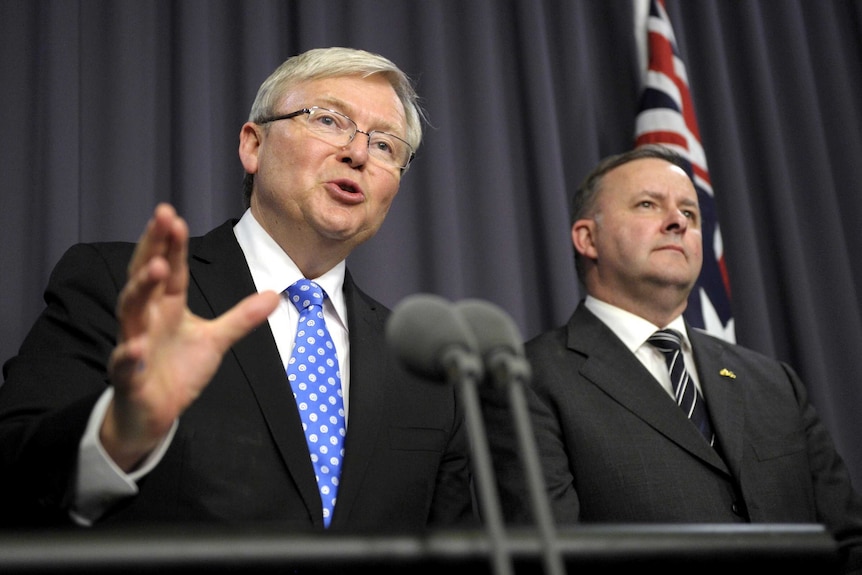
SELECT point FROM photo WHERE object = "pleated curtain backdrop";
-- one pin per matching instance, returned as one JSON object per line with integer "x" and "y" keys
{"x": 110, "y": 106}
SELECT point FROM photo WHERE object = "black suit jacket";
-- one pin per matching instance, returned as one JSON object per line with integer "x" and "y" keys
{"x": 615, "y": 448}
{"x": 239, "y": 453}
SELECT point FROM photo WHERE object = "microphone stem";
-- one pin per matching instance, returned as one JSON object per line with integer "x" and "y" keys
{"x": 489, "y": 499}
{"x": 535, "y": 481}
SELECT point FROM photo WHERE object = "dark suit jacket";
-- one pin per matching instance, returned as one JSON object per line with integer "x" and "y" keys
{"x": 239, "y": 453}
{"x": 615, "y": 447}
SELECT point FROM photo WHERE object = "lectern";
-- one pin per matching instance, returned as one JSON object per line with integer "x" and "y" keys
{"x": 588, "y": 549}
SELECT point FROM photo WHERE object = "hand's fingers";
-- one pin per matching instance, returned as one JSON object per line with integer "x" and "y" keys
{"x": 177, "y": 256}
{"x": 155, "y": 237}
{"x": 238, "y": 321}
{"x": 141, "y": 288}
{"x": 158, "y": 267}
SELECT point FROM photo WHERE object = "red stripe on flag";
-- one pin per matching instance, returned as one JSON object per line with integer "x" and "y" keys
{"x": 724, "y": 277}
{"x": 662, "y": 137}
{"x": 701, "y": 173}
{"x": 661, "y": 54}
{"x": 661, "y": 60}
{"x": 688, "y": 108}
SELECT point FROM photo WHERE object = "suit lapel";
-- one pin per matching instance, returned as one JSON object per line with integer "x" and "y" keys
{"x": 221, "y": 278}
{"x": 614, "y": 369}
{"x": 366, "y": 322}
{"x": 722, "y": 395}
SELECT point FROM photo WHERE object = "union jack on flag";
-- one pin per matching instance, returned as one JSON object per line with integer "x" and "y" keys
{"x": 666, "y": 116}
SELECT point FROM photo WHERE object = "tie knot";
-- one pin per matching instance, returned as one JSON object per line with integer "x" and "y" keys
{"x": 305, "y": 293}
{"x": 666, "y": 340}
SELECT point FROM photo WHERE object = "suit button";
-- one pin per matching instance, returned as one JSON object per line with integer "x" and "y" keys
{"x": 738, "y": 509}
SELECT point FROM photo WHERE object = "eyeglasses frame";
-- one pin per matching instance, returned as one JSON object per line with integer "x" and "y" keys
{"x": 311, "y": 109}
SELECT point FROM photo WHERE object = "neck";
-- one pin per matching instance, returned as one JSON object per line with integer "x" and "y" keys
{"x": 313, "y": 254}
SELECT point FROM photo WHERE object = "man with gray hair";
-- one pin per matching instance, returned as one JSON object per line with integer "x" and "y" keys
{"x": 243, "y": 376}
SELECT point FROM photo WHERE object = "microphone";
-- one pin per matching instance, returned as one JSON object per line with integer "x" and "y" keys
{"x": 501, "y": 346}
{"x": 433, "y": 341}
{"x": 498, "y": 340}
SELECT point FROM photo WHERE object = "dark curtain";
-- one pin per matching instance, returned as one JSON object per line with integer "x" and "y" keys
{"x": 107, "y": 107}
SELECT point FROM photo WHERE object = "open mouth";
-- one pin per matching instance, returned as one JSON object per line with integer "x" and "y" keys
{"x": 347, "y": 190}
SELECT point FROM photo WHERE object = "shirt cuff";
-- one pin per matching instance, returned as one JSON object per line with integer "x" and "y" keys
{"x": 100, "y": 483}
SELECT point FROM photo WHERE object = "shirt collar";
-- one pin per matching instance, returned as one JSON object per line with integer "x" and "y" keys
{"x": 632, "y": 329}
{"x": 272, "y": 269}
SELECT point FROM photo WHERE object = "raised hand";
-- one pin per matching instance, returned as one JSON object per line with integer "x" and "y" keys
{"x": 166, "y": 355}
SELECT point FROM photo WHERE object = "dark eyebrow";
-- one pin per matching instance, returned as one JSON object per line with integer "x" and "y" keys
{"x": 333, "y": 104}
{"x": 340, "y": 106}
{"x": 690, "y": 202}
{"x": 653, "y": 194}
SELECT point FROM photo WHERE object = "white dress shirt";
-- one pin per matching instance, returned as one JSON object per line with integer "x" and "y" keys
{"x": 272, "y": 269}
{"x": 634, "y": 331}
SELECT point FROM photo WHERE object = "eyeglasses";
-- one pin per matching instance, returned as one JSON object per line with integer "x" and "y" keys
{"x": 339, "y": 130}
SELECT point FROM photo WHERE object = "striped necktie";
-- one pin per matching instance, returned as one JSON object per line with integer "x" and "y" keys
{"x": 669, "y": 343}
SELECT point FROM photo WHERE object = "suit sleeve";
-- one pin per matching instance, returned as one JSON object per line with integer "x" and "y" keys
{"x": 51, "y": 386}
{"x": 452, "y": 503}
{"x": 546, "y": 424}
{"x": 839, "y": 507}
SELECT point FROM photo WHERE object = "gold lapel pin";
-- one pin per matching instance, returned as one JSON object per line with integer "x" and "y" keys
{"x": 727, "y": 373}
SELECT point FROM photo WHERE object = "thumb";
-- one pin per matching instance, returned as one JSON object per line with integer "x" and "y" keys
{"x": 249, "y": 313}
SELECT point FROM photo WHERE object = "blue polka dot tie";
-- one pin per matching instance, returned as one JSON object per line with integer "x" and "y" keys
{"x": 316, "y": 381}
{"x": 688, "y": 398}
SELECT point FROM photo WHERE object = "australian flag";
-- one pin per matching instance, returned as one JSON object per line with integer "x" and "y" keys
{"x": 666, "y": 116}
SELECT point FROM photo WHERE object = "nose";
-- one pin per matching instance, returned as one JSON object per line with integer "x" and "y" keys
{"x": 676, "y": 221}
{"x": 355, "y": 152}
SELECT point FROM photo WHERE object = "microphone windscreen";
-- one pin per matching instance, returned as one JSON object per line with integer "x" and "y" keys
{"x": 421, "y": 329}
{"x": 492, "y": 327}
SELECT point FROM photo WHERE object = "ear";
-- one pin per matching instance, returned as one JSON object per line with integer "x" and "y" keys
{"x": 583, "y": 238}
{"x": 250, "y": 139}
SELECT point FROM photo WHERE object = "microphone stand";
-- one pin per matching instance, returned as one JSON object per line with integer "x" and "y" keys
{"x": 464, "y": 370}
{"x": 434, "y": 341}
{"x": 499, "y": 342}
{"x": 513, "y": 376}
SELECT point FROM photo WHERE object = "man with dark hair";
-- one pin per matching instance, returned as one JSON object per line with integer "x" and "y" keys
{"x": 640, "y": 418}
